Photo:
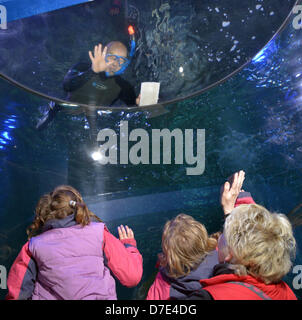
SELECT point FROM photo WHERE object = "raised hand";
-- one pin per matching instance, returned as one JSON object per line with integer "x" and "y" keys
{"x": 125, "y": 233}
{"x": 98, "y": 59}
{"x": 230, "y": 191}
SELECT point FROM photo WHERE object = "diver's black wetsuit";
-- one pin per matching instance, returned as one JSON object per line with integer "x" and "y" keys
{"x": 96, "y": 89}
{"x": 87, "y": 87}
{"x": 84, "y": 86}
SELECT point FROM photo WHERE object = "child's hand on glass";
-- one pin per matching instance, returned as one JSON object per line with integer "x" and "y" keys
{"x": 125, "y": 232}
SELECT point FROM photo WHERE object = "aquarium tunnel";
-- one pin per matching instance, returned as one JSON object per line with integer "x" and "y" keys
{"x": 230, "y": 71}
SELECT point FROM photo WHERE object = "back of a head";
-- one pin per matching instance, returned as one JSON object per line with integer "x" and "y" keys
{"x": 262, "y": 243}
{"x": 61, "y": 202}
{"x": 185, "y": 244}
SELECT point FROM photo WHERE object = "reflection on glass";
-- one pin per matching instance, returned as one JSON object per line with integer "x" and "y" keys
{"x": 184, "y": 45}
{"x": 253, "y": 122}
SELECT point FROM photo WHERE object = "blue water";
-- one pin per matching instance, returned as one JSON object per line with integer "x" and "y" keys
{"x": 252, "y": 122}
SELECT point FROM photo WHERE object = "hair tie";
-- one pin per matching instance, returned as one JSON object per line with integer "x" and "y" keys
{"x": 72, "y": 203}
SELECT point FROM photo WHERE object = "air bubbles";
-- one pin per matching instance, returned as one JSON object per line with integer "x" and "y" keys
{"x": 233, "y": 48}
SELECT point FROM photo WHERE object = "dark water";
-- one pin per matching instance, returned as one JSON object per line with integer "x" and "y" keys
{"x": 252, "y": 122}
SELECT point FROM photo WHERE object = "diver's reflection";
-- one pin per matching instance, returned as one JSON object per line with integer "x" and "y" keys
{"x": 98, "y": 83}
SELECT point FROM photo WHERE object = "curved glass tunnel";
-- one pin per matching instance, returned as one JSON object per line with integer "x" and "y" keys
{"x": 252, "y": 122}
{"x": 185, "y": 45}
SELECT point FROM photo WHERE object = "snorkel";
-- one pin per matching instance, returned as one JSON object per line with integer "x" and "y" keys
{"x": 127, "y": 62}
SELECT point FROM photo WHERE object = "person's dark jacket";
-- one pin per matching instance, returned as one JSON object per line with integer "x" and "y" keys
{"x": 168, "y": 288}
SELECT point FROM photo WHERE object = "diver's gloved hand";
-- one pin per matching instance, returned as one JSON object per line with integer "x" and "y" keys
{"x": 53, "y": 108}
{"x": 98, "y": 60}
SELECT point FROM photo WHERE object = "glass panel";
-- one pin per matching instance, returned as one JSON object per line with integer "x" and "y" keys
{"x": 251, "y": 122}
{"x": 184, "y": 45}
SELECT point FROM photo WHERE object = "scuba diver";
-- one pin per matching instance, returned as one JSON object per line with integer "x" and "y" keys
{"x": 98, "y": 83}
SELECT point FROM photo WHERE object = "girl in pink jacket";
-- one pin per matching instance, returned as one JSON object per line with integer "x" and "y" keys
{"x": 70, "y": 254}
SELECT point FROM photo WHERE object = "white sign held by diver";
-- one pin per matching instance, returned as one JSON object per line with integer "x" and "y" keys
{"x": 149, "y": 93}
{"x": 3, "y": 17}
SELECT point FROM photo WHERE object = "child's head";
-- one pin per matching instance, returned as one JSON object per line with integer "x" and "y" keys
{"x": 58, "y": 204}
{"x": 185, "y": 244}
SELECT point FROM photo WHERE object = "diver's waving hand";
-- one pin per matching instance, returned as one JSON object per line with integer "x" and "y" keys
{"x": 98, "y": 59}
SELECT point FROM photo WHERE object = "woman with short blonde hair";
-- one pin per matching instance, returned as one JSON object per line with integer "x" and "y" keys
{"x": 255, "y": 250}
{"x": 260, "y": 242}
